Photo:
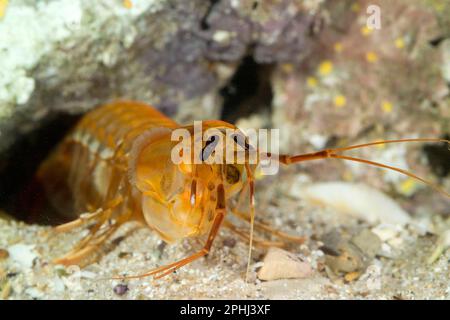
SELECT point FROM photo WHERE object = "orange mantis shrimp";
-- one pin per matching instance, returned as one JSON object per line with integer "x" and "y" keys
{"x": 116, "y": 165}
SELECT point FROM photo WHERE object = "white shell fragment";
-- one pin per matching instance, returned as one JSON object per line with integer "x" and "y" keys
{"x": 358, "y": 200}
{"x": 22, "y": 254}
{"x": 280, "y": 264}
{"x": 442, "y": 245}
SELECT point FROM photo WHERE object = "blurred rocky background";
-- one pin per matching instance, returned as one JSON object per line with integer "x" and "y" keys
{"x": 312, "y": 68}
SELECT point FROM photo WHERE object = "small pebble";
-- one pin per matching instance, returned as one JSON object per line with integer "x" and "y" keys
{"x": 386, "y": 232}
{"x": 6, "y": 291}
{"x": 443, "y": 244}
{"x": 350, "y": 260}
{"x": 121, "y": 289}
{"x": 222, "y": 36}
{"x": 123, "y": 254}
{"x": 349, "y": 256}
{"x": 280, "y": 264}
{"x": 229, "y": 242}
{"x": 23, "y": 254}
{"x": 368, "y": 242}
{"x": 352, "y": 276}
{"x": 4, "y": 254}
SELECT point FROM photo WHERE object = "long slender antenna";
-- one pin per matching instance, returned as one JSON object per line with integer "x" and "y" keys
{"x": 252, "y": 216}
{"x": 390, "y": 141}
{"x": 334, "y": 153}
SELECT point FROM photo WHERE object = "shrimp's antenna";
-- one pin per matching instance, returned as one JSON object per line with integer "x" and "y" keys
{"x": 251, "y": 184}
{"x": 335, "y": 153}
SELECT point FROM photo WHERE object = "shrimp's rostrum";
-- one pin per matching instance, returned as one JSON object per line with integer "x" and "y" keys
{"x": 116, "y": 166}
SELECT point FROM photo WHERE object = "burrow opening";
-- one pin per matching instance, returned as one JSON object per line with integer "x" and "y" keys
{"x": 249, "y": 91}
{"x": 19, "y": 163}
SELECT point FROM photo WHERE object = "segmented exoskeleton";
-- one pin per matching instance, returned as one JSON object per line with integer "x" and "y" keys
{"x": 116, "y": 166}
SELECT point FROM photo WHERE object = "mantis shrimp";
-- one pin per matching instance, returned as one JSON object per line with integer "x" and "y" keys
{"x": 116, "y": 165}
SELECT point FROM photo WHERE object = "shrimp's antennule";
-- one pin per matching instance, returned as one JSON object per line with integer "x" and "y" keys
{"x": 336, "y": 154}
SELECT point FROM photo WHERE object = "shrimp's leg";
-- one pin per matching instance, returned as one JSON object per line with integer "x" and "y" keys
{"x": 170, "y": 268}
{"x": 256, "y": 240}
{"x": 262, "y": 226}
{"x": 76, "y": 257}
{"x": 93, "y": 241}
{"x": 85, "y": 218}
{"x": 82, "y": 220}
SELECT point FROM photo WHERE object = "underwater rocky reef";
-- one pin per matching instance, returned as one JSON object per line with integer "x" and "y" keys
{"x": 315, "y": 69}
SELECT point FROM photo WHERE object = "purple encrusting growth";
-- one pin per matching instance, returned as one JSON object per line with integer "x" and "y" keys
{"x": 283, "y": 35}
{"x": 175, "y": 55}
{"x": 186, "y": 64}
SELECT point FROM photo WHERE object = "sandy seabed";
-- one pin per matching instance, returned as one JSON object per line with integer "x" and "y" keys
{"x": 26, "y": 271}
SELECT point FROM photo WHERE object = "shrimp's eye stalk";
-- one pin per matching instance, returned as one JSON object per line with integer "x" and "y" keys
{"x": 209, "y": 148}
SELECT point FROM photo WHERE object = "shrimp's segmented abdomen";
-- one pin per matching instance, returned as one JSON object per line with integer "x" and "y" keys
{"x": 89, "y": 168}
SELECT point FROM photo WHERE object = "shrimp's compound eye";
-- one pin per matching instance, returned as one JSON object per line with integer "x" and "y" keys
{"x": 242, "y": 141}
{"x": 233, "y": 174}
{"x": 210, "y": 146}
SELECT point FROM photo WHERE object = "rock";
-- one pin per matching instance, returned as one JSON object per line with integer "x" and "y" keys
{"x": 386, "y": 232}
{"x": 163, "y": 52}
{"x": 352, "y": 276}
{"x": 229, "y": 242}
{"x": 368, "y": 242}
{"x": 392, "y": 237}
{"x": 4, "y": 254}
{"x": 358, "y": 200}
{"x": 22, "y": 254}
{"x": 350, "y": 256}
{"x": 350, "y": 259}
{"x": 121, "y": 289}
{"x": 5, "y": 291}
{"x": 280, "y": 264}
{"x": 442, "y": 245}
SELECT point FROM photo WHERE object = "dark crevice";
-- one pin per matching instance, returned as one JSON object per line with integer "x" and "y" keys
{"x": 438, "y": 40}
{"x": 438, "y": 157}
{"x": 18, "y": 165}
{"x": 204, "y": 22}
{"x": 249, "y": 91}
